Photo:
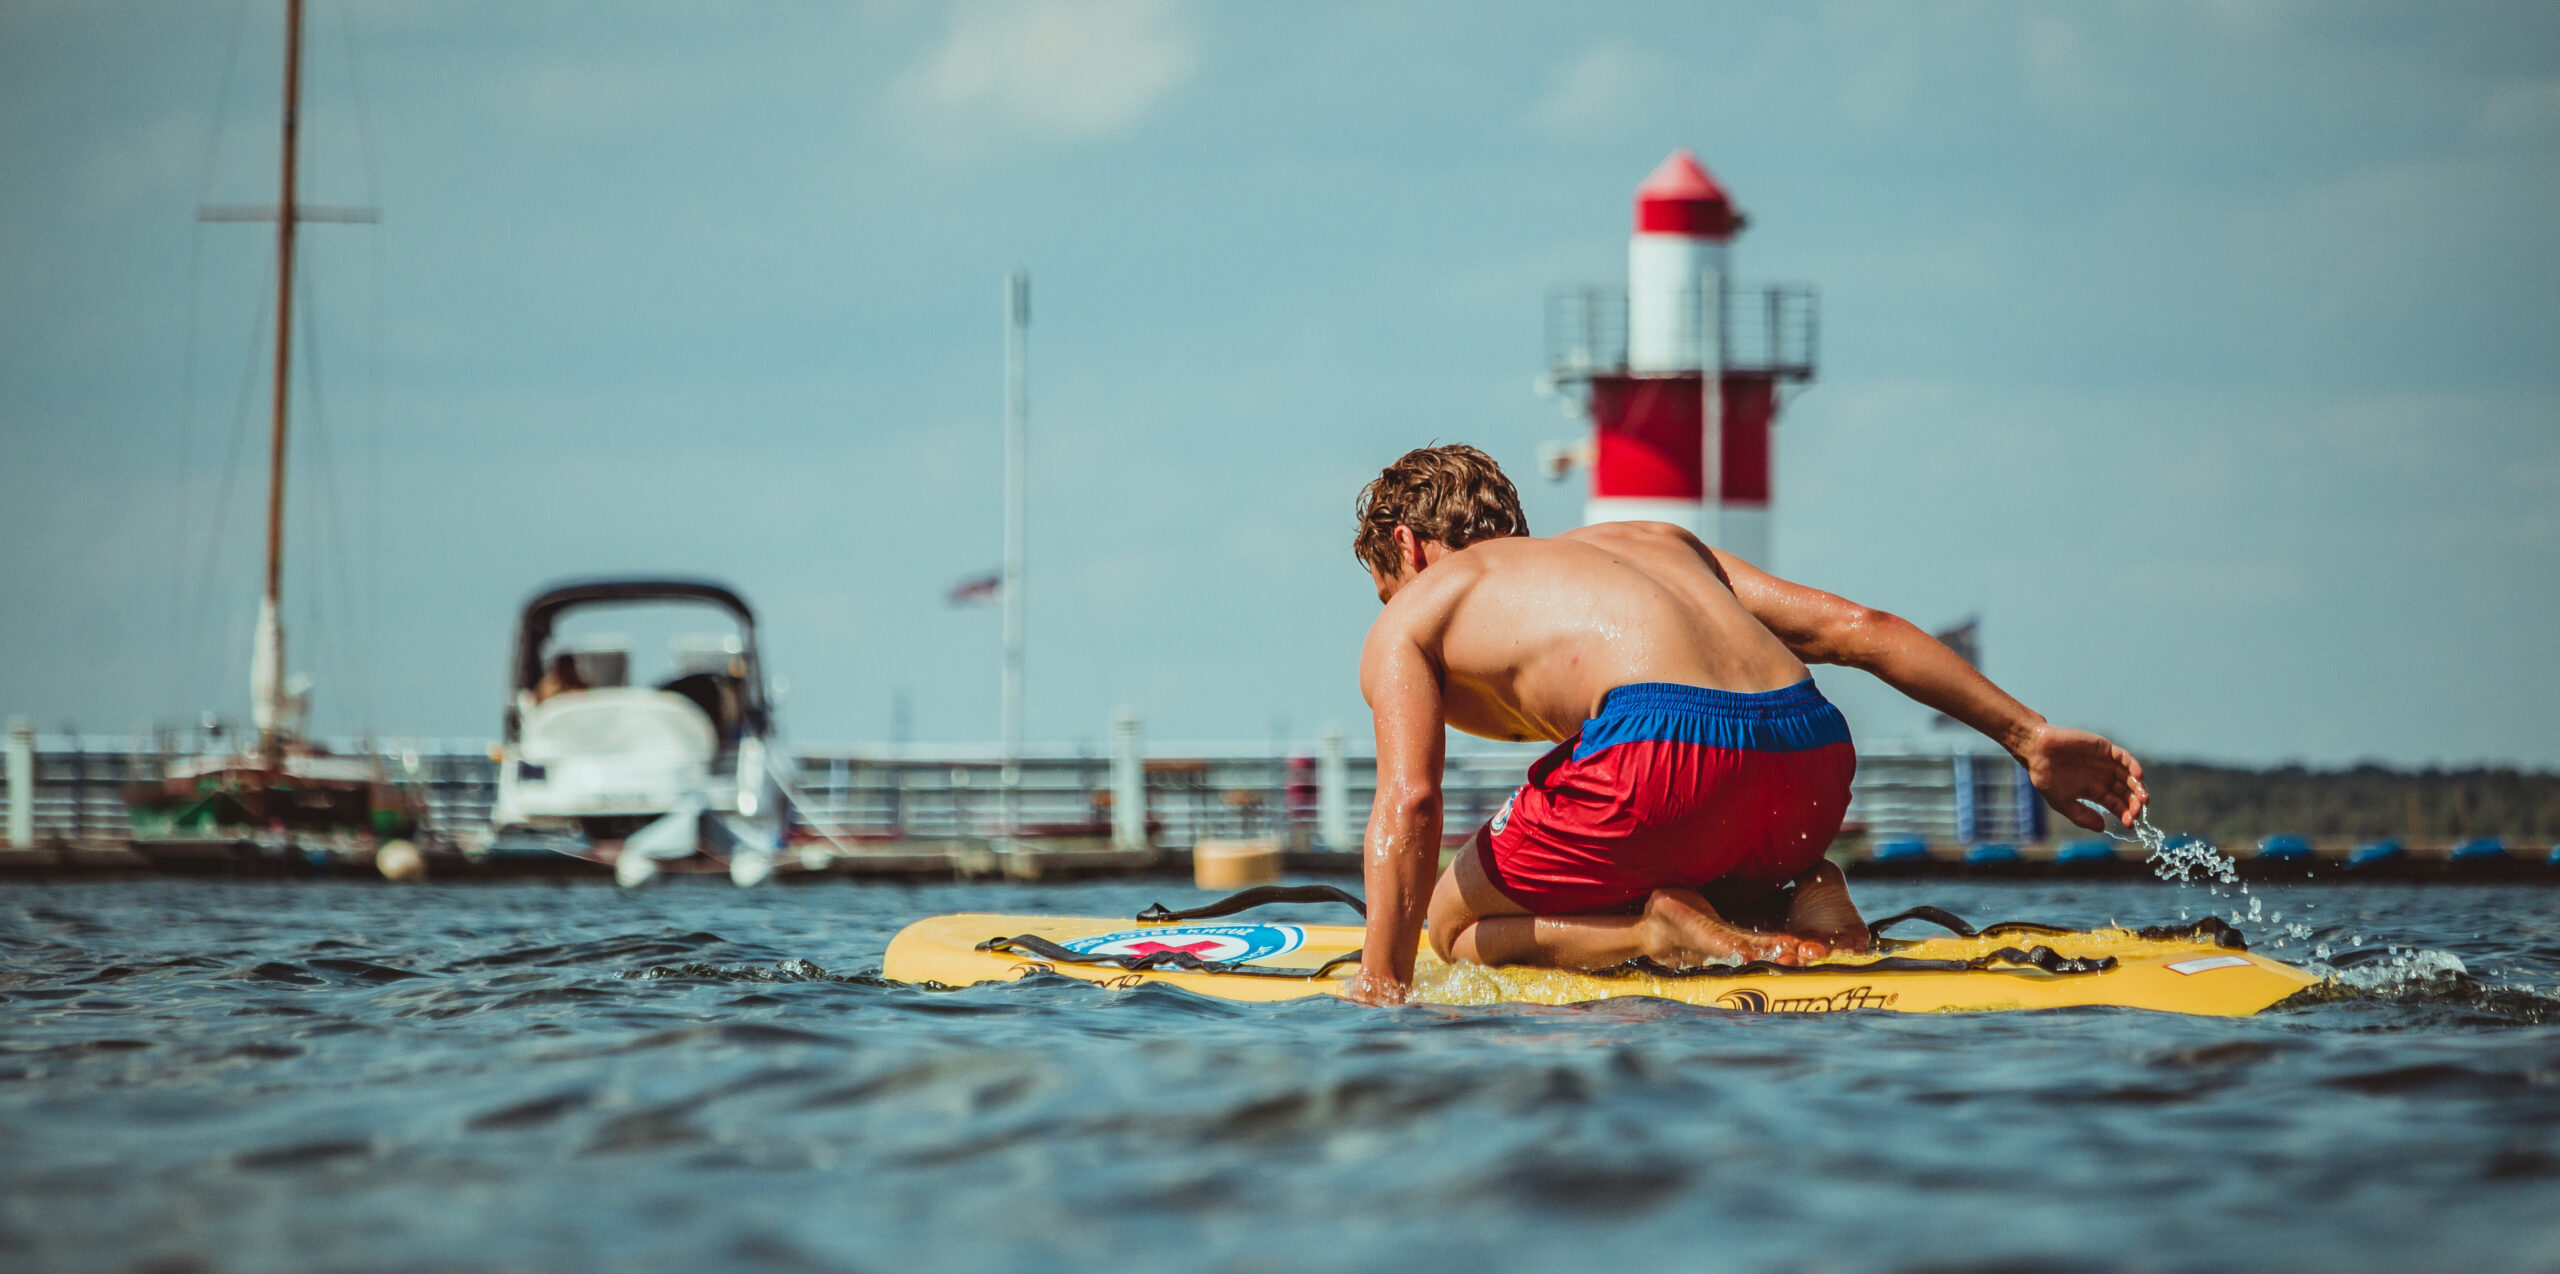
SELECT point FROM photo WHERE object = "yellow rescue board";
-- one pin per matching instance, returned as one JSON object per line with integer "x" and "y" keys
{"x": 2165, "y": 975}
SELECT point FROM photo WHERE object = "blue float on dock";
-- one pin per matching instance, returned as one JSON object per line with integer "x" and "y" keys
{"x": 2285, "y": 848}
{"x": 1901, "y": 851}
{"x": 2376, "y": 853}
{"x": 1991, "y": 855}
{"x": 2480, "y": 849}
{"x": 2093, "y": 849}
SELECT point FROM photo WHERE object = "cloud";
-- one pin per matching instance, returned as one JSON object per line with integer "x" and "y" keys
{"x": 579, "y": 98}
{"x": 1071, "y": 69}
{"x": 2057, "y": 58}
{"x": 2529, "y": 109}
{"x": 1609, "y": 84}
{"x": 166, "y": 154}
{"x": 2247, "y": 19}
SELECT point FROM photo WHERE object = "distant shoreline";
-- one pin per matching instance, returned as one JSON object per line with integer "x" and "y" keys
{"x": 2230, "y": 804}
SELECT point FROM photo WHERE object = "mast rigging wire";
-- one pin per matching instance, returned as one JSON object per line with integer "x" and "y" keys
{"x": 206, "y": 575}
{"x": 370, "y": 629}
{"x": 329, "y": 557}
{"x": 186, "y": 642}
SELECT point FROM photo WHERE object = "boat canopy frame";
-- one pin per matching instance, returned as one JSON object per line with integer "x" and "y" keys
{"x": 543, "y": 610}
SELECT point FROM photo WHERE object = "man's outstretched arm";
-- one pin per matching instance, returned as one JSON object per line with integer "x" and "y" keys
{"x": 2067, "y": 766}
{"x": 1401, "y": 856}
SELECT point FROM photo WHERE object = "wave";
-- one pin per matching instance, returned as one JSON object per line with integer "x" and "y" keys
{"x": 779, "y": 971}
{"x": 2417, "y": 977}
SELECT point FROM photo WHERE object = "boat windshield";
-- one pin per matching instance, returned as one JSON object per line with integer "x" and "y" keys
{"x": 689, "y": 649}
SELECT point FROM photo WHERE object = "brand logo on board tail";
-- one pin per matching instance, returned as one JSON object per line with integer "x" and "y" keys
{"x": 1750, "y": 1000}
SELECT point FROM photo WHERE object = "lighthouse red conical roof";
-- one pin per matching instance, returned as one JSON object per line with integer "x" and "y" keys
{"x": 1681, "y": 198}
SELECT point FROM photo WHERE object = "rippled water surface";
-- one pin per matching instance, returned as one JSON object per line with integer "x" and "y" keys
{"x": 318, "y": 1077}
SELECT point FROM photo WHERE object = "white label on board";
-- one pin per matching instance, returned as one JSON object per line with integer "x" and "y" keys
{"x": 2208, "y": 962}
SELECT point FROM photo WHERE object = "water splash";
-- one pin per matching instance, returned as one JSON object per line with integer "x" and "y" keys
{"x": 2402, "y": 971}
{"x": 2182, "y": 861}
{"x": 2419, "y": 977}
{"x": 2187, "y": 860}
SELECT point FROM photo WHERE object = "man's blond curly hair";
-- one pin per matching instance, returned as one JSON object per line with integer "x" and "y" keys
{"x": 1454, "y": 494}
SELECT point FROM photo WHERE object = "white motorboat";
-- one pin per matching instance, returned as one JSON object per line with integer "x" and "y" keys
{"x": 685, "y": 774}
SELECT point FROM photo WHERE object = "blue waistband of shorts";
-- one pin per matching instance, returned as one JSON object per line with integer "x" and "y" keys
{"x": 1793, "y": 719}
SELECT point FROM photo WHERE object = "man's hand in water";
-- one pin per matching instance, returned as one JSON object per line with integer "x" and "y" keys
{"x": 1367, "y": 988}
{"x": 2071, "y": 766}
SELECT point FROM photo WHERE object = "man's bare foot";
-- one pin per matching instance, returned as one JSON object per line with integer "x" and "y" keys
{"x": 1823, "y": 912}
{"x": 1682, "y": 930}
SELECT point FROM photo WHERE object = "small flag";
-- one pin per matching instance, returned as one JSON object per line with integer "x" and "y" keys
{"x": 976, "y": 591}
{"x": 1964, "y": 638}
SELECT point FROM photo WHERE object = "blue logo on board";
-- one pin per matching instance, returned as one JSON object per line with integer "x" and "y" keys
{"x": 1224, "y": 943}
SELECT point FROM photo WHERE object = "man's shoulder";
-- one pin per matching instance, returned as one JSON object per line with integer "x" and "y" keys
{"x": 1423, "y": 609}
{"x": 1435, "y": 590}
{"x": 1649, "y": 532}
{"x": 1493, "y": 556}
{"x": 1650, "y": 546}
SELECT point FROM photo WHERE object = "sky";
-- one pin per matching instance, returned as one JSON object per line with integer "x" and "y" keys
{"x": 2209, "y": 352}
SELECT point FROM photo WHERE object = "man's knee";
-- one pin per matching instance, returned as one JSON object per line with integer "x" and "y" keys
{"x": 1444, "y": 940}
{"x": 1464, "y": 896}
{"x": 1449, "y": 915}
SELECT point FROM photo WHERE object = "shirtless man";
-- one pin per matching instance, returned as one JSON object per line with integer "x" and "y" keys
{"x": 1698, "y": 775}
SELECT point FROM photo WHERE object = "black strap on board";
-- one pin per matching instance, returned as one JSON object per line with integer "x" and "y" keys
{"x": 2213, "y": 929}
{"x": 1248, "y": 899}
{"x": 2006, "y": 959}
{"x": 1939, "y": 916}
{"x": 2042, "y": 958}
{"x": 2038, "y": 957}
{"x": 1039, "y": 948}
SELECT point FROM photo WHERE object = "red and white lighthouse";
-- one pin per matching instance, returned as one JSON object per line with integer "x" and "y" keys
{"x": 1681, "y": 394}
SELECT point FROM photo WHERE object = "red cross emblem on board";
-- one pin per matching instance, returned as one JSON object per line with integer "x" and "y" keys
{"x": 1188, "y": 948}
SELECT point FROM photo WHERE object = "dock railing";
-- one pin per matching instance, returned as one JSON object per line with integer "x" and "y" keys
{"x": 887, "y": 793}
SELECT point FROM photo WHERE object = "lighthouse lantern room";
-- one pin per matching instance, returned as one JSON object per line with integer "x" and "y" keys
{"x": 1642, "y": 363}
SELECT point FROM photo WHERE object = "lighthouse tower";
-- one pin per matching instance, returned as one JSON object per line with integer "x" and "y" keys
{"x": 1680, "y": 373}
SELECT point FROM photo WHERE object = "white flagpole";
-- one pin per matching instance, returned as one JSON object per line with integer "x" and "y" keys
{"x": 1017, "y": 420}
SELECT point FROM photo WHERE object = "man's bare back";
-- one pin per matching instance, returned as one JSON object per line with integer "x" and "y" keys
{"x": 1530, "y": 633}
{"x": 1493, "y": 632}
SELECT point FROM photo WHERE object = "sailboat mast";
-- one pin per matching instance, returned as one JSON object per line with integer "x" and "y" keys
{"x": 269, "y": 675}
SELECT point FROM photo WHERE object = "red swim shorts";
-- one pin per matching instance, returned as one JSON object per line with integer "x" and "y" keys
{"x": 1674, "y": 785}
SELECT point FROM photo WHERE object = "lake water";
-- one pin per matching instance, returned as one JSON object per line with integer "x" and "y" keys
{"x": 250, "y": 1077}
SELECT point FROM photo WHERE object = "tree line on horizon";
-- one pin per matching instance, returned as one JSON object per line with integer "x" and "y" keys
{"x": 2231, "y": 804}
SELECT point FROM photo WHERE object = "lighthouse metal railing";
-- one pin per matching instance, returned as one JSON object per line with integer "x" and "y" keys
{"x": 1769, "y": 329}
